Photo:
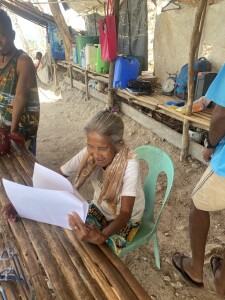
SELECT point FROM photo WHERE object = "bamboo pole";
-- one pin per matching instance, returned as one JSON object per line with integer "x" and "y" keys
{"x": 78, "y": 263}
{"x": 71, "y": 274}
{"x": 42, "y": 247}
{"x": 127, "y": 275}
{"x": 93, "y": 267}
{"x": 119, "y": 280}
{"x": 195, "y": 40}
{"x": 111, "y": 90}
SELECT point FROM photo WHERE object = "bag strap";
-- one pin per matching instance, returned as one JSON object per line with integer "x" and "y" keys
{"x": 110, "y": 8}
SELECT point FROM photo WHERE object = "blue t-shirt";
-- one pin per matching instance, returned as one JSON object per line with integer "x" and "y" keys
{"x": 216, "y": 93}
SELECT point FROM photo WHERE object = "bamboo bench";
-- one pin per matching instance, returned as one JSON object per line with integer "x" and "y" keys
{"x": 57, "y": 264}
{"x": 157, "y": 102}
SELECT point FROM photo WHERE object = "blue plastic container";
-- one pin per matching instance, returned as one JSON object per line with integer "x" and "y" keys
{"x": 56, "y": 42}
{"x": 126, "y": 69}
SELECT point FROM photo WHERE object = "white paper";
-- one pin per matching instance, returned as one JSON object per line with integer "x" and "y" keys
{"x": 45, "y": 178}
{"x": 45, "y": 202}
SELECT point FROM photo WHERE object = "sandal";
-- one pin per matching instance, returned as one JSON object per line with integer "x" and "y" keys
{"x": 184, "y": 274}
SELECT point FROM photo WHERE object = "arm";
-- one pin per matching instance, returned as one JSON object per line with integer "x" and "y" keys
{"x": 127, "y": 204}
{"x": 217, "y": 125}
{"x": 92, "y": 234}
{"x": 216, "y": 130}
{"x": 26, "y": 77}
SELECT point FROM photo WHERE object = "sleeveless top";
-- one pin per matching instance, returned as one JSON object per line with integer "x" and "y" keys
{"x": 28, "y": 124}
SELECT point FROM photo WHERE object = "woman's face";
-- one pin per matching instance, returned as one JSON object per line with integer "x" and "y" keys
{"x": 101, "y": 148}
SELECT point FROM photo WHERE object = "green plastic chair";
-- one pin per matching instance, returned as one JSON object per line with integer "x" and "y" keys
{"x": 158, "y": 162}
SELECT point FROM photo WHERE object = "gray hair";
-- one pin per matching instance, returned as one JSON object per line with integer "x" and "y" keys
{"x": 108, "y": 124}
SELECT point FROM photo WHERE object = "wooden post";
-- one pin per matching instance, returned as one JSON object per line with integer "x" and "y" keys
{"x": 111, "y": 90}
{"x": 71, "y": 76}
{"x": 195, "y": 40}
{"x": 200, "y": 29}
{"x": 55, "y": 78}
{"x": 86, "y": 83}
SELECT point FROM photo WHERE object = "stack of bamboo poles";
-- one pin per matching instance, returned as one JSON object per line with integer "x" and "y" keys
{"x": 75, "y": 270}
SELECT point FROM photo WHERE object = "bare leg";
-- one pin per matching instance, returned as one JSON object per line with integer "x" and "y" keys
{"x": 220, "y": 279}
{"x": 198, "y": 229}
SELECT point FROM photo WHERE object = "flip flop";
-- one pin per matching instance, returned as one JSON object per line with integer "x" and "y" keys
{"x": 184, "y": 275}
{"x": 215, "y": 264}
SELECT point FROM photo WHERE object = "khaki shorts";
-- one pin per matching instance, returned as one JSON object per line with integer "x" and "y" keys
{"x": 209, "y": 193}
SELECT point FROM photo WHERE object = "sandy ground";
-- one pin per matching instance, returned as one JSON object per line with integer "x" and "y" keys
{"x": 61, "y": 136}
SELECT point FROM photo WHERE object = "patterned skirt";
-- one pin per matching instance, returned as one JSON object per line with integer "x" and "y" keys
{"x": 118, "y": 240}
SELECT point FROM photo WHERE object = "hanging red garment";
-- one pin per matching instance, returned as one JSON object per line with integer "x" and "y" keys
{"x": 107, "y": 30}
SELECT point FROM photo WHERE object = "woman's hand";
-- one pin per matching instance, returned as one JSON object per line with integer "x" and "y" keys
{"x": 9, "y": 212}
{"x": 17, "y": 137}
{"x": 84, "y": 232}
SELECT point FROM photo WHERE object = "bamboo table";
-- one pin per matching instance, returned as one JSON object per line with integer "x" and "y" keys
{"x": 57, "y": 264}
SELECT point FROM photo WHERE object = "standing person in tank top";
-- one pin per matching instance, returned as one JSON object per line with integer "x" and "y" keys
{"x": 19, "y": 101}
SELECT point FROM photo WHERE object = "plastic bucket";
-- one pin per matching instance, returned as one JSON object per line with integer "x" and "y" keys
{"x": 91, "y": 57}
{"x": 102, "y": 66}
{"x": 82, "y": 41}
{"x": 126, "y": 69}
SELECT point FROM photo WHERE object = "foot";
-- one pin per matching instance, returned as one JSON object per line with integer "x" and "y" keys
{"x": 216, "y": 264}
{"x": 184, "y": 265}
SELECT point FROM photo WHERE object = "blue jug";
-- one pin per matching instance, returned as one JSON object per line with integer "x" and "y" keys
{"x": 126, "y": 69}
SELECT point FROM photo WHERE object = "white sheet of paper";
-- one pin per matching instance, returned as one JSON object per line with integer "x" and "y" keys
{"x": 47, "y": 206}
{"x": 45, "y": 178}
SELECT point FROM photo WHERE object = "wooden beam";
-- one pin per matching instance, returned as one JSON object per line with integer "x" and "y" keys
{"x": 195, "y": 40}
{"x": 55, "y": 78}
{"x": 71, "y": 76}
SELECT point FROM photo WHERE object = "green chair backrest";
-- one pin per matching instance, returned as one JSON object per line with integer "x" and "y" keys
{"x": 158, "y": 162}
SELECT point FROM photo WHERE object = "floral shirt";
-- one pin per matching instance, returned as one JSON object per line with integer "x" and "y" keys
{"x": 28, "y": 124}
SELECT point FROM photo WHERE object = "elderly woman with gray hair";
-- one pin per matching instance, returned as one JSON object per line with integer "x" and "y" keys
{"x": 118, "y": 203}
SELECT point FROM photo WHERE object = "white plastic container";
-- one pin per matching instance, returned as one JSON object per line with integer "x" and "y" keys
{"x": 91, "y": 57}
